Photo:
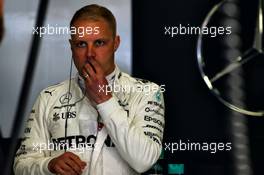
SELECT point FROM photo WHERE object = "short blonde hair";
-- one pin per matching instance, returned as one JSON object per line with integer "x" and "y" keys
{"x": 95, "y": 12}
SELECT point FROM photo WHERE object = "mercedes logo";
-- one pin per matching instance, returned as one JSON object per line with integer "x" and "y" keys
{"x": 65, "y": 99}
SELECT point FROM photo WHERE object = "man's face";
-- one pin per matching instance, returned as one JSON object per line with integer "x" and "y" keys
{"x": 99, "y": 44}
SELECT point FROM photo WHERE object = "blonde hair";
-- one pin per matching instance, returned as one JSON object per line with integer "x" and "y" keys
{"x": 95, "y": 12}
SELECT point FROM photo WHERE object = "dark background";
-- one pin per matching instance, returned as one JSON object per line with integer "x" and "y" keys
{"x": 192, "y": 113}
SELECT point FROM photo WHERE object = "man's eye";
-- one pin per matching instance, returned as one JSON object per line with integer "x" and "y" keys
{"x": 81, "y": 44}
{"x": 99, "y": 43}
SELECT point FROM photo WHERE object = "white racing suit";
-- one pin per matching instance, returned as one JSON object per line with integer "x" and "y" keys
{"x": 122, "y": 135}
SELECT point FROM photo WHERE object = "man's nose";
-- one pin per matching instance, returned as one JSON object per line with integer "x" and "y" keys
{"x": 90, "y": 51}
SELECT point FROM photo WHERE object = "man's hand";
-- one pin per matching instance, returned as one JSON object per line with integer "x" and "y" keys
{"x": 95, "y": 81}
{"x": 67, "y": 164}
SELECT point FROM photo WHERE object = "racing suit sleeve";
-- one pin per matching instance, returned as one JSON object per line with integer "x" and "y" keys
{"x": 32, "y": 157}
{"x": 139, "y": 141}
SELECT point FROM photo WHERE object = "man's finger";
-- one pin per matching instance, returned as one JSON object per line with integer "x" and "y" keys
{"x": 59, "y": 170}
{"x": 90, "y": 69}
{"x": 78, "y": 161}
{"x": 85, "y": 74}
{"x": 96, "y": 65}
{"x": 74, "y": 166}
{"x": 83, "y": 164}
{"x": 66, "y": 167}
{"x": 91, "y": 64}
{"x": 74, "y": 156}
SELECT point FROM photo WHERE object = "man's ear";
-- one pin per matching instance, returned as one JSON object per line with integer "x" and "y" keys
{"x": 117, "y": 42}
{"x": 70, "y": 41}
{"x": 71, "y": 44}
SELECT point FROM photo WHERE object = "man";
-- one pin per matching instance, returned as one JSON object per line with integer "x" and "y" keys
{"x": 101, "y": 122}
